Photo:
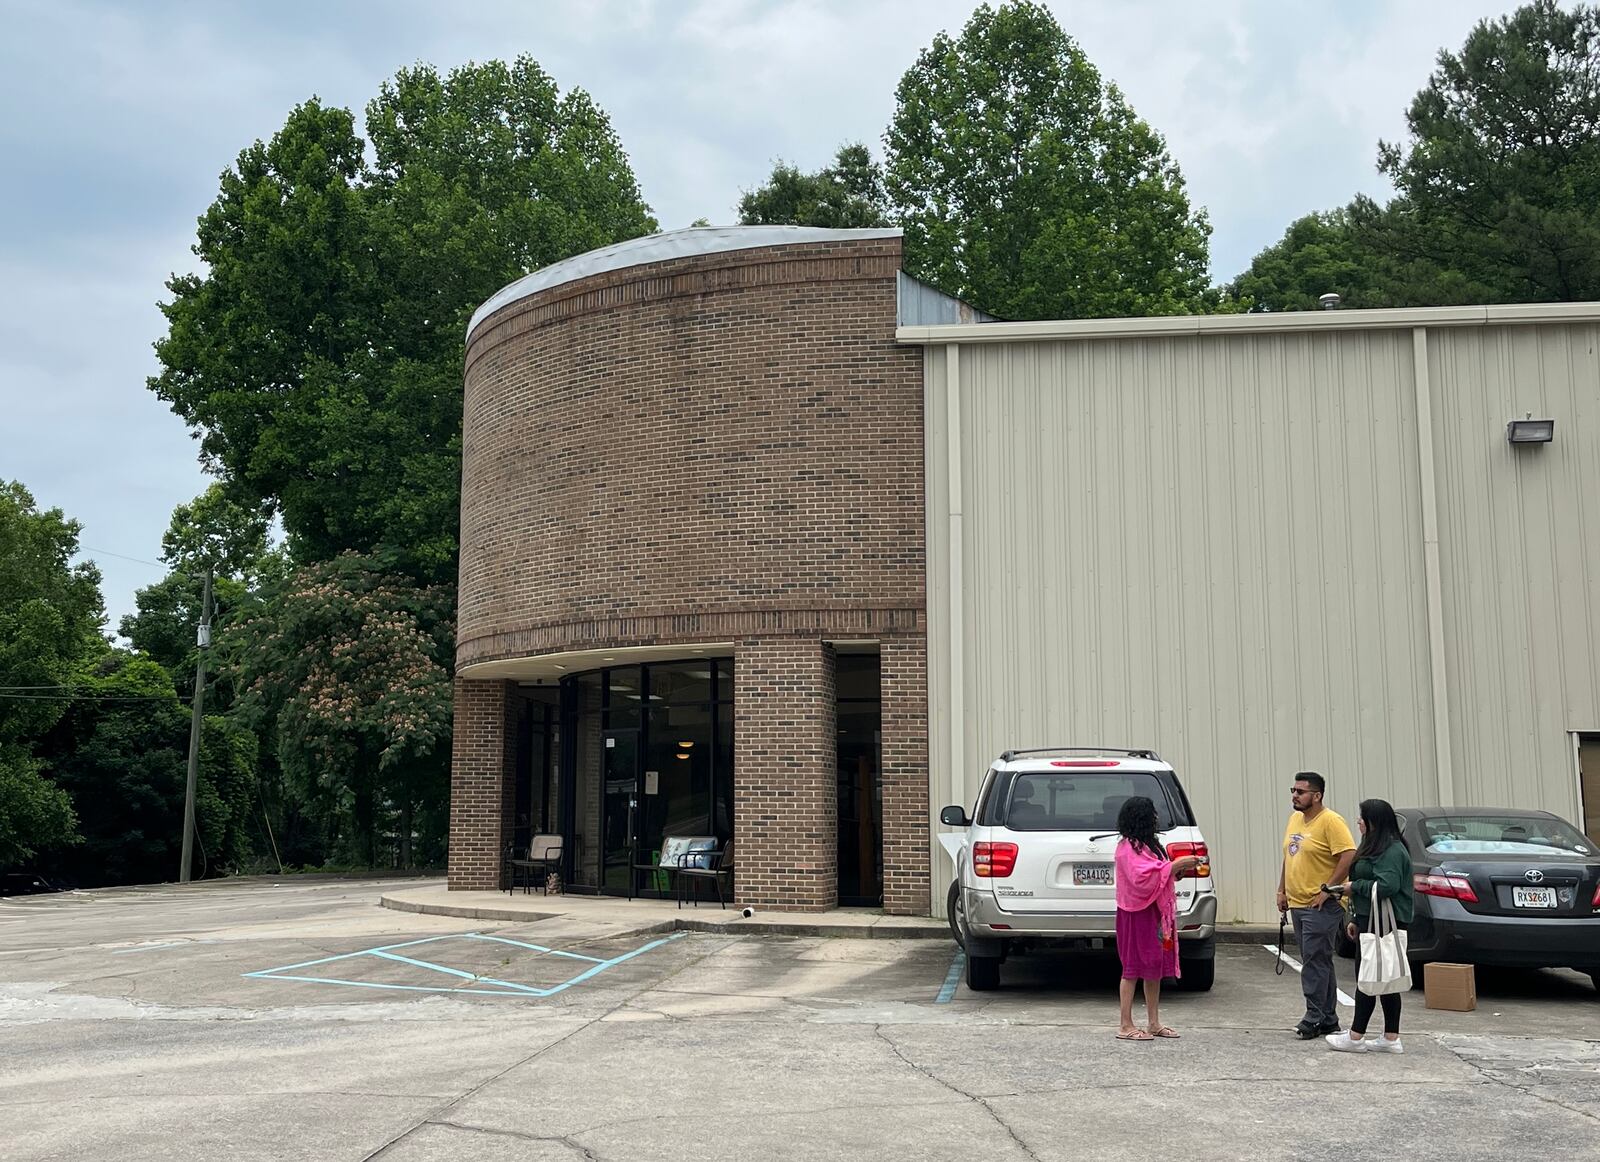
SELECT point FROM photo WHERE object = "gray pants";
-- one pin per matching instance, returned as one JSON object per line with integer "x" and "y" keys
{"x": 1314, "y": 929}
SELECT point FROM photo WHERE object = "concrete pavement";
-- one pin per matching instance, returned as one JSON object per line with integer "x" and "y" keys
{"x": 303, "y": 1021}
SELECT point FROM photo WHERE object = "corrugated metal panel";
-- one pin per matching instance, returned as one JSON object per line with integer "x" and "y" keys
{"x": 1210, "y": 546}
{"x": 1520, "y": 550}
{"x": 922, "y": 306}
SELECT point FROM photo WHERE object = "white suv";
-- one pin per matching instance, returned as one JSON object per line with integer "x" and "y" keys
{"x": 1034, "y": 862}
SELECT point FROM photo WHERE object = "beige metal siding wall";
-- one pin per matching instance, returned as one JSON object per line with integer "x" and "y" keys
{"x": 1520, "y": 550}
{"x": 1207, "y": 545}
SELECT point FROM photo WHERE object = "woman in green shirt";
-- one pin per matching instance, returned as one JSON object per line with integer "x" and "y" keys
{"x": 1381, "y": 859}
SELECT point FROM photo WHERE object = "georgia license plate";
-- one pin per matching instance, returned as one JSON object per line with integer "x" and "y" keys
{"x": 1100, "y": 875}
{"x": 1533, "y": 897}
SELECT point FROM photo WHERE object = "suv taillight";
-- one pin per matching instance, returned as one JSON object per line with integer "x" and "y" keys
{"x": 1595, "y": 903}
{"x": 1178, "y": 850}
{"x": 993, "y": 860}
{"x": 1445, "y": 887}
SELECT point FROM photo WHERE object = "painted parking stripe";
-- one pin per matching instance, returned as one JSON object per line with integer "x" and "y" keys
{"x": 1344, "y": 997}
{"x": 505, "y": 989}
{"x": 533, "y": 947}
{"x": 951, "y": 979}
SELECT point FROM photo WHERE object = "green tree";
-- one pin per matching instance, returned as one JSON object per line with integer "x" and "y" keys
{"x": 214, "y": 531}
{"x": 121, "y": 751}
{"x": 1319, "y": 254}
{"x": 320, "y": 353}
{"x": 847, "y": 195}
{"x": 1499, "y": 176}
{"x": 346, "y": 672}
{"x": 1027, "y": 186}
{"x": 50, "y": 618}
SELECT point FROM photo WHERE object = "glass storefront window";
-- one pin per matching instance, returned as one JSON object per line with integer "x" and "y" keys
{"x": 651, "y": 755}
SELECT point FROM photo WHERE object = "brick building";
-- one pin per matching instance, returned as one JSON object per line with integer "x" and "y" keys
{"x": 692, "y": 567}
{"x": 763, "y": 539}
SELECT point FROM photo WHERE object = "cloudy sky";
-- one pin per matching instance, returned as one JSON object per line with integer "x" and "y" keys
{"x": 117, "y": 119}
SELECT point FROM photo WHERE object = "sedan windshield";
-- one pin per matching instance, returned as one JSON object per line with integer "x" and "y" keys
{"x": 1502, "y": 835}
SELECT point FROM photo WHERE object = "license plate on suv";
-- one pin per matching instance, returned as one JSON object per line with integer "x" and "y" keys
{"x": 1100, "y": 875}
{"x": 1533, "y": 897}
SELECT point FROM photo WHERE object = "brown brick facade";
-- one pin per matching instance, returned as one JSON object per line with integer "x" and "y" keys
{"x": 480, "y": 777}
{"x": 724, "y": 447}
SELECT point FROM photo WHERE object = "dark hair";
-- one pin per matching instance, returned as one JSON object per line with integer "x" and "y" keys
{"x": 1383, "y": 829}
{"x": 1318, "y": 783}
{"x": 1136, "y": 822}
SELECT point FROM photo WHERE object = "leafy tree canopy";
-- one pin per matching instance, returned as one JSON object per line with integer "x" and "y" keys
{"x": 847, "y": 195}
{"x": 1319, "y": 254}
{"x": 319, "y": 355}
{"x": 50, "y": 618}
{"x": 1027, "y": 186}
{"x": 1499, "y": 176}
{"x": 346, "y": 671}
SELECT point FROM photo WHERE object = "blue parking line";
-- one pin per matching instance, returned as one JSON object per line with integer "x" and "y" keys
{"x": 348, "y": 955}
{"x": 506, "y": 989}
{"x": 516, "y": 990}
{"x": 951, "y": 979}
{"x": 533, "y": 947}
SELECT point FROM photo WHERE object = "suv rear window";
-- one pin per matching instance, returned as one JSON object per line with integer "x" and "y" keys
{"x": 1082, "y": 801}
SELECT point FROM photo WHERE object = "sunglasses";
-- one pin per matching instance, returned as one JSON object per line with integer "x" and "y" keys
{"x": 1301, "y": 791}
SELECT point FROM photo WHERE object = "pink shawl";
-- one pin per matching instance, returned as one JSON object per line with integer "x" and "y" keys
{"x": 1144, "y": 878}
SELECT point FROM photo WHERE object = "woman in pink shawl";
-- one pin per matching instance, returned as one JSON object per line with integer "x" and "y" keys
{"x": 1147, "y": 939}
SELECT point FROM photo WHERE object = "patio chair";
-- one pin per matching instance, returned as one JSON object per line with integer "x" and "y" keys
{"x": 696, "y": 866}
{"x": 544, "y": 857}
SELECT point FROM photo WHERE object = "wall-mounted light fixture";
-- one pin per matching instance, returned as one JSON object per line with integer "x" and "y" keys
{"x": 1530, "y": 431}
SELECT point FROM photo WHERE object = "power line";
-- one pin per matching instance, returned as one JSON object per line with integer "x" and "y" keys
{"x": 88, "y": 697}
{"x": 121, "y": 556}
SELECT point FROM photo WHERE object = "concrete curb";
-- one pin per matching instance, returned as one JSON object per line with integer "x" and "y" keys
{"x": 902, "y": 928}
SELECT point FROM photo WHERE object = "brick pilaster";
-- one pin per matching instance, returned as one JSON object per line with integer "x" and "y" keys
{"x": 906, "y": 818}
{"x": 481, "y": 770}
{"x": 785, "y": 796}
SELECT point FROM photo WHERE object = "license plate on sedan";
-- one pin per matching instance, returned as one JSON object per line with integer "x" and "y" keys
{"x": 1100, "y": 875}
{"x": 1533, "y": 897}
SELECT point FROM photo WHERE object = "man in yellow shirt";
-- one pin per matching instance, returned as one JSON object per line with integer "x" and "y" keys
{"x": 1317, "y": 850}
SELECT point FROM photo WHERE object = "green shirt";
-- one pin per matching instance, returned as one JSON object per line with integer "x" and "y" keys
{"x": 1391, "y": 871}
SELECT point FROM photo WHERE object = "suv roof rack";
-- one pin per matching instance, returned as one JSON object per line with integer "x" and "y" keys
{"x": 1013, "y": 755}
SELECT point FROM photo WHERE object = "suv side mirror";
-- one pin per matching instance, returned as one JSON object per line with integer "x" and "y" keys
{"x": 954, "y": 817}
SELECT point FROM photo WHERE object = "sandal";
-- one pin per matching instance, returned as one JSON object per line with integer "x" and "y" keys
{"x": 1166, "y": 1031}
{"x": 1135, "y": 1035}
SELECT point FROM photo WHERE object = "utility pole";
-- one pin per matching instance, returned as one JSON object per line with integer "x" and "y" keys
{"x": 203, "y": 643}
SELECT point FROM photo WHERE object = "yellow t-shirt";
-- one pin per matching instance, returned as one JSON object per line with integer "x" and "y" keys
{"x": 1311, "y": 852}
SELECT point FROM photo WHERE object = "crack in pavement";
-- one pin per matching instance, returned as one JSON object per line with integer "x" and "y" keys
{"x": 521, "y": 1136}
{"x": 931, "y": 1076}
{"x": 1494, "y": 1076}
{"x": 562, "y": 1040}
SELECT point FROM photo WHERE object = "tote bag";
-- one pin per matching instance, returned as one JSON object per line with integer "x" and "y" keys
{"x": 1384, "y": 968}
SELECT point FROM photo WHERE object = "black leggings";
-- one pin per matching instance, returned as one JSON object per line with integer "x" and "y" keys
{"x": 1365, "y": 1003}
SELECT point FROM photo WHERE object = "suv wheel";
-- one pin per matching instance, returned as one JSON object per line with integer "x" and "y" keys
{"x": 1198, "y": 975}
{"x": 953, "y": 913}
{"x": 983, "y": 973}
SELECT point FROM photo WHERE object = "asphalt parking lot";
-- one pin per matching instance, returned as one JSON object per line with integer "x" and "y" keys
{"x": 302, "y": 1021}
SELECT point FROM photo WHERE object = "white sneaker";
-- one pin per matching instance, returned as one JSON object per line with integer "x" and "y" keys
{"x": 1384, "y": 1045}
{"x": 1344, "y": 1043}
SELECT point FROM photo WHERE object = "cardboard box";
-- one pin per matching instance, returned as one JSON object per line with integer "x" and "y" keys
{"x": 1450, "y": 986}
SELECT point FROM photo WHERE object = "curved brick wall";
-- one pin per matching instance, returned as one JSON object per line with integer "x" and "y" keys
{"x": 710, "y": 448}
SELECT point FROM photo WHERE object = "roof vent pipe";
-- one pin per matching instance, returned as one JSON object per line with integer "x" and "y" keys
{"x": 1330, "y": 302}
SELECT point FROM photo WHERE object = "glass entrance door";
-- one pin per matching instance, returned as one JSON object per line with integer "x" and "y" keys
{"x": 619, "y": 809}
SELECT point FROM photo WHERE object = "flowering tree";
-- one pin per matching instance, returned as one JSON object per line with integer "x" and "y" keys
{"x": 345, "y": 670}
